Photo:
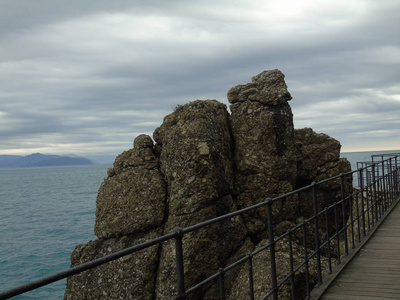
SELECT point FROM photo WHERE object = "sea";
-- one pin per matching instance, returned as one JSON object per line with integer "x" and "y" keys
{"x": 47, "y": 211}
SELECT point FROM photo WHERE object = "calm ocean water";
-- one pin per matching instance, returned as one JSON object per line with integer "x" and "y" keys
{"x": 46, "y": 212}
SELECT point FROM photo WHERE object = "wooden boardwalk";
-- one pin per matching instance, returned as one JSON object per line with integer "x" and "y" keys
{"x": 374, "y": 272}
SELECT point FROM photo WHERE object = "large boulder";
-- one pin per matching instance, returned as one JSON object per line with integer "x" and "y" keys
{"x": 265, "y": 155}
{"x": 207, "y": 163}
{"x": 196, "y": 159}
{"x": 268, "y": 87}
{"x": 196, "y": 155}
{"x": 132, "y": 198}
{"x": 130, "y": 277}
{"x": 315, "y": 151}
{"x": 130, "y": 209}
{"x": 319, "y": 159}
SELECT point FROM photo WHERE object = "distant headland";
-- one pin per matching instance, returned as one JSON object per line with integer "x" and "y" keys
{"x": 42, "y": 160}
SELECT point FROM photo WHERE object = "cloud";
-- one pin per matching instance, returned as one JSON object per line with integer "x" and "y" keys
{"x": 91, "y": 76}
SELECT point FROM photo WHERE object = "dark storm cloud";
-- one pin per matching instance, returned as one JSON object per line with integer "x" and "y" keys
{"x": 89, "y": 76}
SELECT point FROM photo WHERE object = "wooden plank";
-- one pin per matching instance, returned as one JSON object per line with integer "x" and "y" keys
{"x": 371, "y": 286}
{"x": 350, "y": 297}
{"x": 374, "y": 273}
{"x": 364, "y": 292}
{"x": 383, "y": 268}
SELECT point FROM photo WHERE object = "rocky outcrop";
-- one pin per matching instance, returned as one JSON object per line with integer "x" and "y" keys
{"x": 318, "y": 158}
{"x": 130, "y": 277}
{"x": 265, "y": 155}
{"x": 262, "y": 274}
{"x": 206, "y": 163}
{"x": 196, "y": 160}
{"x": 132, "y": 198}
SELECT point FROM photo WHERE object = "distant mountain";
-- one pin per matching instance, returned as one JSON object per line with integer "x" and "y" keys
{"x": 41, "y": 160}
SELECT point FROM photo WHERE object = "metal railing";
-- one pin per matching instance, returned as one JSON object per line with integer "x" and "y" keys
{"x": 315, "y": 245}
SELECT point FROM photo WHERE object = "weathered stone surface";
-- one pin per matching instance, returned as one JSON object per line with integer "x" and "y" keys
{"x": 268, "y": 87}
{"x": 318, "y": 159}
{"x": 200, "y": 255}
{"x": 315, "y": 150}
{"x": 196, "y": 158}
{"x": 132, "y": 198}
{"x": 130, "y": 277}
{"x": 196, "y": 155}
{"x": 262, "y": 273}
{"x": 205, "y": 251}
{"x": 263, "y": 134}
{"x": 207, "y": 163}
{"x": 213, "y": 291}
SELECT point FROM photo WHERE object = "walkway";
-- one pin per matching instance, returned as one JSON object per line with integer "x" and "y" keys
{"x": 374, "y": 273}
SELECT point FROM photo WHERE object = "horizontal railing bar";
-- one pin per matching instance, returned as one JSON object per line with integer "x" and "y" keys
{"x": 205, "y": 281}
{"x": 83, "y": 267}
{"x": 243, "y": 210}
{"x": 386, "y": 154}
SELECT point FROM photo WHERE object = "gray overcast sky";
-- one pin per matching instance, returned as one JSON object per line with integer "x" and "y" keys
{"x": 86, "y": 77}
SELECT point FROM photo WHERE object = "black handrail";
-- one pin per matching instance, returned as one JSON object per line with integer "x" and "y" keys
{"x": 378, "y": 190}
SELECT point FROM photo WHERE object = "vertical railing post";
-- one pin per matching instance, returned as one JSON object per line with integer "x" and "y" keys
{"x": 306, "y": 260}
{"x": 369, "y": 196}
{"x": 389, "y": 182}
{"x": 179, "y": 263}
{"x": 251, "y": 280}
{"x": 344, "y": 213}
{"x": 362, "y": 201}
{"x": 379, "y": 190}
{"x": 388, "y": 175}
{"x": 351, "y": 213}
{"x": 328, "y": 241}
{"x": 274, "y": 281}
{"x": 292, "y": 282}
{"x": 375, "y": 203}
{"x": 384, "y": 188}
{"x": 222, "y": 284}
{"x": 357, "y": 202}
{"x": 397, "y": 176}
{"x": 337, "y": 234}
{"x": 316, "y": 234}
{"x": 392, "y": 181}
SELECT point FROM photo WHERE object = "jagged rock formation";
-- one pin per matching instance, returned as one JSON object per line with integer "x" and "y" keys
{"x": 205, "y": 163}
{"x": 126, "y": 205}
{"x": 318, "y": 158}
{"x": 263, "y": 134}
{"x": 196, "y": 160}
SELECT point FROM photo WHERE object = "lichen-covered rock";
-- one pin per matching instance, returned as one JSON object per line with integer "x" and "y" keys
{"x": 196, "y": 159}
{"x": 315, "y": 150}
{"x": 268, "y": 87}
{"x": 319, "y": 159}
{"x": 196, "y": 155}
{"x": 130, "y": 277}
{"x": 207, "y": 163}
{"x": 261, "y": 272}
{"x": 263, "y": 134}
{"x": 205, "y": 251}
{"x": 200, "y": 259}
{"x": 132, "y": 198}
